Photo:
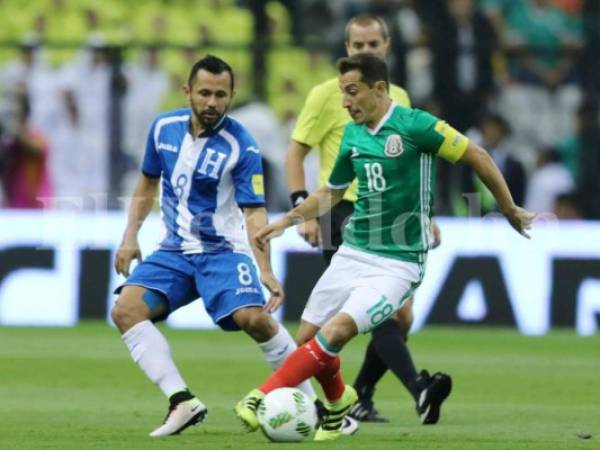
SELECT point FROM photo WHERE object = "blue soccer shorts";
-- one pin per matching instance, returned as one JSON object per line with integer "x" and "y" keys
{"x": 225, "y": 281}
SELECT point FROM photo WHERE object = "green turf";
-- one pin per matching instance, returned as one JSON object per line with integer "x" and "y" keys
{"x": 76, "y": 388}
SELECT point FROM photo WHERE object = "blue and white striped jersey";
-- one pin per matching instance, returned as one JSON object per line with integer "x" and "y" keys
{"x": 205, "y": 182}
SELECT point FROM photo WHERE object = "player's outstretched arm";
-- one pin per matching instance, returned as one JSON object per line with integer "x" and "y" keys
{"x": 139, "y": 208}
{"x": 317, "y": 204}
{"x": 485, "y": 167}
{"x": 256, "y": 218}
{"x": 294, "y": 171}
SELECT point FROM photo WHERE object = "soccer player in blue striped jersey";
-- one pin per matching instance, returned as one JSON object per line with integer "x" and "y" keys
{"x": 209, "y": 170}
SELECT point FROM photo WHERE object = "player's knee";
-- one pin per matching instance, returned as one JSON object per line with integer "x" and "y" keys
{"x": 120, "y": 316}
{"x": 125, "y": 315}
{"x": 336, "y": 336}
{"x": 259, "y": 325}
{"x": 339, "y": 331}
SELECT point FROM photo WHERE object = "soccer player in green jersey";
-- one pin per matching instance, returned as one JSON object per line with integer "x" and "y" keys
{"x": 320, "y": 125}
{"x": 389, "y": 150}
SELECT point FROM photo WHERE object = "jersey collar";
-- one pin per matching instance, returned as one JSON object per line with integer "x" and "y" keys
{"x": 210, "y": 131}
{"x": 385, "y": 117}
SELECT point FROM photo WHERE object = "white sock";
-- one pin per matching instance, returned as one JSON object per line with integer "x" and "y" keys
{"x": 277, "y": 349}
{"x": 150, "y": 350}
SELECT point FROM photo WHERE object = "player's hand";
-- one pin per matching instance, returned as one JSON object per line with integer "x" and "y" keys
{"x": 520, "y": 219}
{"x": 265, "y": 234}
{"x": 436, "y": 234}
{"x": 128, "y": 251}
{"x": 277, "y": 295}
{"x": 310, "y": 232}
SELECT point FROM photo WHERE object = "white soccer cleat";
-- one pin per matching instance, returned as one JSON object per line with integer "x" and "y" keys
{"x": 181, "y": 416}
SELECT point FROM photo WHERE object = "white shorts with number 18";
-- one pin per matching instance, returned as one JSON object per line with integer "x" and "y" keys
{"x": 369, "y": 288}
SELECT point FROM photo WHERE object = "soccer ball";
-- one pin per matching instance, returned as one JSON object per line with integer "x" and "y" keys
{"x": 287, "y": 415}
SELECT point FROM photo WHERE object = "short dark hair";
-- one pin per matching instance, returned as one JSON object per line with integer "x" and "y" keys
{"x": 213, "y": 65}
{"x": 364, "y": 20}
{"x": 371, "y": 67}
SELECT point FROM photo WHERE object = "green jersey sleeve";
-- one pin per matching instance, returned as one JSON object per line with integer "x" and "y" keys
{"x": 343, "y": 174}
{"x": 433, "y": 135}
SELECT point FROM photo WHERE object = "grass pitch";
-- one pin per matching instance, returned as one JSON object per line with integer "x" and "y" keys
{"x": 77, "y": 388}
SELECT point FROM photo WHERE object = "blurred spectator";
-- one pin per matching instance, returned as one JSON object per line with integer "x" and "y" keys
{"x": 497, "y": 11}
{"x": 591, "y": 56}
{"x": 72, "y": 166}
{"x": 86, "y": 92}
{"x": 462, "y": 50}
{"x": 24, "y": 154}
{"x": 30, "y": 76}
{"x": 462, "y": 41}
{"x": 544, "y": 43}
{"x": 549, "y": 180}
{"x": 545, "y": 39}
{"x": 147, "y": 86}
{"x": 581, "y": 153}
{"x": 493, "y": 135}
{"x": 566, "y": 207}
{"x": 411, "y": 53}
{"x": 586, "y": 132}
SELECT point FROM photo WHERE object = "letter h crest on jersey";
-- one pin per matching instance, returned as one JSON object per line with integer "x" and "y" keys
{"x": 211, "y": 165}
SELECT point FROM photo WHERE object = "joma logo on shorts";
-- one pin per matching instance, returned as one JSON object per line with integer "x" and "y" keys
{"x": 246, "y": 290}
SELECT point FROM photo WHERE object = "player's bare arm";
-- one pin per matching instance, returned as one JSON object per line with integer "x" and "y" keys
{"x": 294, "y": 170}
{"x": 256, "y": 218}
{"x": 317, "y": 204}
{"x": 485, "y": 167}
{"x": 141, "y": 205}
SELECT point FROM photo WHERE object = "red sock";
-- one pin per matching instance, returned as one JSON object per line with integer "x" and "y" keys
{"x": 305, "y": 362}
{"x": 331, "y": 380}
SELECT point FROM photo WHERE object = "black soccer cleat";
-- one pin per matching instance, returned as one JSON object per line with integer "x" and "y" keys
{"x": 364, "y": 411}
{"x": 436, "y": 389}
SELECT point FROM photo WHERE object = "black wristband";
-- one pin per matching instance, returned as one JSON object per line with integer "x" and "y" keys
{"x": 298, "y": 197}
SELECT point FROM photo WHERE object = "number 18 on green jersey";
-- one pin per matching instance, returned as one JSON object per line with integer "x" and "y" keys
{"x": 393, "y": 164}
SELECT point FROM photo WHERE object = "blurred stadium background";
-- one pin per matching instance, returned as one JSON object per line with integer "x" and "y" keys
{"x": 81, "y": 80}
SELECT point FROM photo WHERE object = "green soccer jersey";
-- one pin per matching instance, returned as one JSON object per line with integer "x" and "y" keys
{"x": 393, "y": 164}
